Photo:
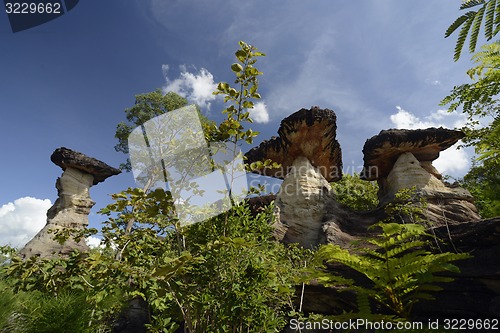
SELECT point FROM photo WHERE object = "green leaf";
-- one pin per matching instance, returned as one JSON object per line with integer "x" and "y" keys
{"x": 475, "y": 29}
{"x": 463, "y": 34}
{"x": 236, "y": 67}
{"x": 490, "y": 14}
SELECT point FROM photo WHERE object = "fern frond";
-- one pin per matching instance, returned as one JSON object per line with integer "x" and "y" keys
{"x": 497, "y": 29}
{"x": 490, "y": 15}
{"x": 476, "y": 26}
{"x": 403, "y": 248}
{"x": 329, "y": 280}
{"x": 374, "y": 254}
{"x": 363, "y": 303}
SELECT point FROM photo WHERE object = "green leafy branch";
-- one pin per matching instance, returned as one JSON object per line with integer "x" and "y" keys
{"x": 471, "y": 22}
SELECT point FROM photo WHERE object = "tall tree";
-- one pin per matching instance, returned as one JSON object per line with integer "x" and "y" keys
{"x": 148, "y": 106}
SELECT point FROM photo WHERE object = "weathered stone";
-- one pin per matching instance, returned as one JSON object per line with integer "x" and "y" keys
{"x": 301, "y": 203}
{"x": 400, "y": 159}
{"x": 407, "y": 172}
{"x": 65, "y": 158}
{"x": 310, "y": 157}
{"x": 382, "y": 150}
{"x": 309, "y": 133}
{"x": 72, "y": 207}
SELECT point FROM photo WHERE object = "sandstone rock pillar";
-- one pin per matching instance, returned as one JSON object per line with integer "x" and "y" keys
{"x": 72, "y": 207}
{"x": 310, "y": 158}
{"x": 400, "y": 158}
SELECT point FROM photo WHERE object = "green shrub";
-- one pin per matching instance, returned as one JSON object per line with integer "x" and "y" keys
{"x": 356, "y": 193}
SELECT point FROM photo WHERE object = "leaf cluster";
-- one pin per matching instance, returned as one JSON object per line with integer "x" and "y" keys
{"x": 240, "y": 98}
{"x": 356, "y": 193}
{"x": 471, "y": 22}
{"x": 400, "y": 270}
{"x": 479, "y": 102}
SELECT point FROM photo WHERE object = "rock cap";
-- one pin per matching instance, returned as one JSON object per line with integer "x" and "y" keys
{"x": 381, "y": 151}
{"x": 310, "y": 133}
{"x": 64, "y": 158}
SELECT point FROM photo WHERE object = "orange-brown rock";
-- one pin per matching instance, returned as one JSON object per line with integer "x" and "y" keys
{"x": 309, "y": 133}
{"x": 382, "y": 151}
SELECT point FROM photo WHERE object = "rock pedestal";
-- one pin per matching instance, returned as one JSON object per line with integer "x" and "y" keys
{"x": 400, "y": 159}
{"x": 72, "y": 207}
{"x": 310, "y": 158}
{"x": 301, "y": 204}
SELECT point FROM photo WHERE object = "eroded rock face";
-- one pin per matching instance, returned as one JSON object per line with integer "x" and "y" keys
{"x": 400, "y": 159}
{"x": 382, "y": 150}
{"x": 308, "y": 214}
{"x": 73, "y": 204}
{"x": 65, "y": 158}
{"x": 309, "y": 133}
{"x": 474, "y": 293}
{"x": 407, "y": 172}
{"x": 300, "y": 204}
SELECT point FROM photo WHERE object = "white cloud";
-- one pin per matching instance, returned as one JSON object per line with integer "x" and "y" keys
{"x": 21, "y": 220}
{"x": 259, "y": 113}
{"x": 196, "y": 87}
{"x": 93, "y": 242}
{"x": 439, "y": 118}
{"x": 452, "y": 161}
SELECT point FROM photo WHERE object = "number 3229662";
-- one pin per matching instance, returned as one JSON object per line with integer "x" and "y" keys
{"x": 32, "y": 8}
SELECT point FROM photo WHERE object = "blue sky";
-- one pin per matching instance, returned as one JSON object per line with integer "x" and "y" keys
{"x": 378, "y": 64}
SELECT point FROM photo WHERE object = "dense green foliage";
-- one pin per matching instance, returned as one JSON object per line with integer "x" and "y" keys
{"x": 470, "y": 22}
{"x": 356, "y": 193}
{"x": 483, "y": 182}
{"x": 480, "y": 103}
{"x": 148, "y": 106}
{"x": 222, "y": 275}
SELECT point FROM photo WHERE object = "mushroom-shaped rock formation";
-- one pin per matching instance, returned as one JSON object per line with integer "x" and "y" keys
{"x": 309, "y": 133}
{"x": 67, "y": 158}
{"x": 382, "y": 150}
{"x": 73, "y": 204}
{"x": 400, "y": 158}
{"x": 310, "y": 157}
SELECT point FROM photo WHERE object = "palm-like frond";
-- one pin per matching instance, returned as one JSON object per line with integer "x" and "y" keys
{"x": 490, "y": 15}
{"x": 471, "y": 3}
{"x": 462, "y": 36}
{"x": 476, "y": 26}
{"x": 471, "y": 22}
